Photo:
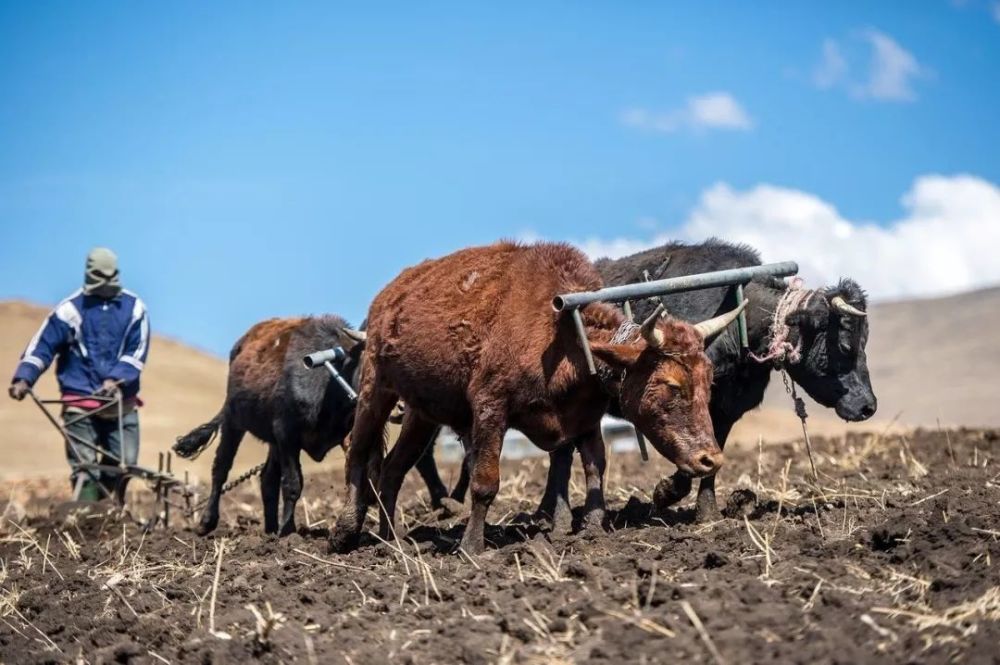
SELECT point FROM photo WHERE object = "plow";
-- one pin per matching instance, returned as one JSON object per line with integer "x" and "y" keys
{"x": 111, "y": 474}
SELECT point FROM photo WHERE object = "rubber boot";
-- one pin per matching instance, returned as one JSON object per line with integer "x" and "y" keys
{"x": 89, "y": 491}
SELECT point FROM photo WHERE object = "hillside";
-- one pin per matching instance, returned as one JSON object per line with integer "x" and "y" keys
{"x": 930, "y": 359}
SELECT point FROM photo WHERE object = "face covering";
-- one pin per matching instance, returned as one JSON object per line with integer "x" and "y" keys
{"x": 101, "y": 277}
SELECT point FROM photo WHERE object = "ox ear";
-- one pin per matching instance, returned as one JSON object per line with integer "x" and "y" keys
{"x": 620, "y": 356}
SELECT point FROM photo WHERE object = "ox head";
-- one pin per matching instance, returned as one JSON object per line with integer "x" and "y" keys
{"x": 664, "y": 388}
{"x": 833, "y": 332}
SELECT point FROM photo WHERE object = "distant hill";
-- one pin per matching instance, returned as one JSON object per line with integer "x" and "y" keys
{"x": 930, "y": 359}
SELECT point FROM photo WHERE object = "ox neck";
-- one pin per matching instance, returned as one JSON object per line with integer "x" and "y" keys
{"x": 763, "y": 301}
{"x": 602, "y": 322}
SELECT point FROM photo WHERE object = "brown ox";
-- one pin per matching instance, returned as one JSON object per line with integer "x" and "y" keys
{"x": 471, "y": 341}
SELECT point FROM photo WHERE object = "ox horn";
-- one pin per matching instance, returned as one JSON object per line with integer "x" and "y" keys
{"x": 714, "y": 326}
{"x": 653, "y": 337}
{"x": 356, "y": 335}
{"x": 845, "y": 307}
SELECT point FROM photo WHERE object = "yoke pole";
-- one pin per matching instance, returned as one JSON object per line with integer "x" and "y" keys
{"x": 680, "y": 284}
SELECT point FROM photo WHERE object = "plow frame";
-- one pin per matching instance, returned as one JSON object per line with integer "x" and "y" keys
{"x": 162, "y": 481}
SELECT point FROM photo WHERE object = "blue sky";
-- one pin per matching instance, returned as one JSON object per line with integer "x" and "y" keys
{"x": 252, "y": 161}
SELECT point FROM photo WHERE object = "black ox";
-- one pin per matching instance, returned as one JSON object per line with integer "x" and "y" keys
{"x": 273, "y": 396}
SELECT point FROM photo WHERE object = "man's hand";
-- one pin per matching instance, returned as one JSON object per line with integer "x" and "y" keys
{"x": 18, "y": 389}
{"x": 109, "y": 388}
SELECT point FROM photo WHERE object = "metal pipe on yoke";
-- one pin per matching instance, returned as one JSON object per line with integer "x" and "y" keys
{"x": 681, "y": 284}
{"x": 317, "y": 358}
{"x": 326, "y": 358}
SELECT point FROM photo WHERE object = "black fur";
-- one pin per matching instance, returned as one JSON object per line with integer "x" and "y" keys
{"x": 298, "y": 409}
{"x": 191, "y": 444}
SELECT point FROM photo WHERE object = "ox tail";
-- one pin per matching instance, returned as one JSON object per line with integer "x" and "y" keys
{"x": 197, "y": 440}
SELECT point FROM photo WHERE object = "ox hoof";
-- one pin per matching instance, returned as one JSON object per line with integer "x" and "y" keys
{"x": 473, "y": 541}
{"x": 671, "y": 490}
{"x": 593, "y": 522}
{"x": 705, "y": 509}
{"x": 342, "y": 542}
{"x": 558, "y": 519}
{"x": 205, "y": 528}
{"x": 450, "y": 507}
{"x": 473, "y": 548}
{"x": 704, "y": 515}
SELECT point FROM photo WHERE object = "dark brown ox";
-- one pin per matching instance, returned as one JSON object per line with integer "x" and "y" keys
{"x": 471, "y": 341}
{"x": 275, "y": 398}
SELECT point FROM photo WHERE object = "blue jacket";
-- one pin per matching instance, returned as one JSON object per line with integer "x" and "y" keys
{"x": 94, "y": 340}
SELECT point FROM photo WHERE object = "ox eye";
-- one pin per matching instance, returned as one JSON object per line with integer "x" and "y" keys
{"x": 673, "y": 384}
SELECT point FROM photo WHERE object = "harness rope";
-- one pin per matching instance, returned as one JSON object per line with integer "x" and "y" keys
{"x": 781, "y": 352}
{"x": 800, "y": 411}
{"x": 625, "y": 332}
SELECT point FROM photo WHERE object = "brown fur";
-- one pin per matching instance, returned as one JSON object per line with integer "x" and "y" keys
{"x": 257, "y": 360}
{"x": 471, "y": 341}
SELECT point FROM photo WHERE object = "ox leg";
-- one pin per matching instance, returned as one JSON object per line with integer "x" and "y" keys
{"x": 555, "y": 501}
{"x": 462, "y": 485}
{"x": 671, "y": 490}
{"x": 270, "y": 487}
{"x": 291, "y": 487}
{"x": 411, "y": 444}
{"x": 363, "y": 449}
{"x": 487, "y": 439}
{"x": 706, "y": 509}
{"x": 593, "y": 454}
{"x": 225, "y": 453}
{"x": 428, "y": 470}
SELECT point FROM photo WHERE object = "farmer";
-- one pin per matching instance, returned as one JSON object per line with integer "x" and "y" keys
{"x": 99, "y": 337}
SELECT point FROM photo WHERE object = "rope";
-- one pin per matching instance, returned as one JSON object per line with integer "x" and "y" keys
{"x": 624, "y": 332}
{"x": 800, "y": 411}
{"x": 780, "y": 349}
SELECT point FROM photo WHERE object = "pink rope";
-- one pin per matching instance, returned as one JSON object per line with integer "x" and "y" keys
{"x": 780, "y": 349}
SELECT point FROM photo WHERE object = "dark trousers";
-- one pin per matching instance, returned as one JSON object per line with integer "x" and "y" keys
{"x": 102, "y": 432}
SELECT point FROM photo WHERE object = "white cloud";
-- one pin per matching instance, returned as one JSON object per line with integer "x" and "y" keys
{"x": 945, "y": 242}
{"x": 893, "y": 69}
{"x": 713, "y": 110}
{"x": 888, "y": 75}
{"x": 832, "y": 67}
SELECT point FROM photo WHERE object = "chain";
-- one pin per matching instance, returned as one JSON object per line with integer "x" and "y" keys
{"x": 800, "y": 411}
{"x": 231, "y": 485}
